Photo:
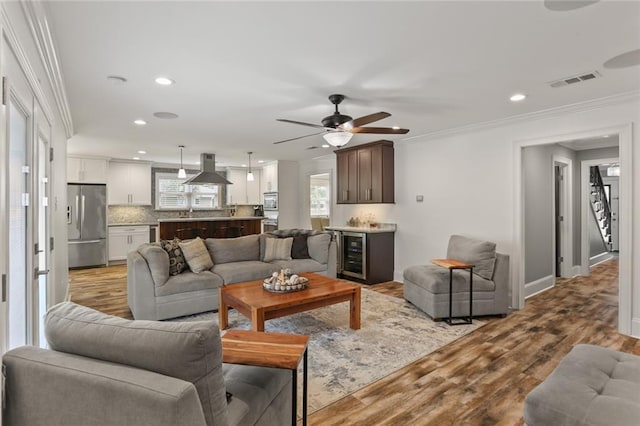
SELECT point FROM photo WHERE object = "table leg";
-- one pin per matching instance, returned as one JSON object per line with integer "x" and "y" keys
{"x": 470, "y": 295}
{"x": 304, "y": 389}
{"x": 294, "y": 397}
{"x": 450, "y": 296}
{"x": 354, "y": 305}
{"x": 257, "y": 319}
{"x": 223, "y": 312}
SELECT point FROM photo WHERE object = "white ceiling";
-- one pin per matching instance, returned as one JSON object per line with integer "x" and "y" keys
{"x": 239, "y": 66}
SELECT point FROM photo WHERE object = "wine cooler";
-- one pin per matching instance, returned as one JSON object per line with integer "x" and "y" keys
{"x": 353, "y": 254}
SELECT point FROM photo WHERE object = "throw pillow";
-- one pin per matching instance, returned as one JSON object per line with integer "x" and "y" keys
{"x": 299, "y": 249}
{"x": 482, "y": 254}
{"x": 196, "y": 255}
{"x": 177, "y": 263}
{"x": 277, "y": 249}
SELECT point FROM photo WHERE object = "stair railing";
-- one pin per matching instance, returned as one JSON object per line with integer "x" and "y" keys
{"x": 600, "y": 205}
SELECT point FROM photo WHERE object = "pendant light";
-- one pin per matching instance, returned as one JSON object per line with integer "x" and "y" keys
{"x": 182, "y": 173}
{"x": 250, "y": 176}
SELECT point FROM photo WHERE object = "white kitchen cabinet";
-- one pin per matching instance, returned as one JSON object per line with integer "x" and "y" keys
{"x": 270, "y": 177}
{"x": 123, "y": 239}
{"x": 243, "y": 191}
{"x": 86, "y": 170}
{"x": 129, "y": 183}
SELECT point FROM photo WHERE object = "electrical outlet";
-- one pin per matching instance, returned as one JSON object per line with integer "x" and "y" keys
{"x": 419, "y": 198}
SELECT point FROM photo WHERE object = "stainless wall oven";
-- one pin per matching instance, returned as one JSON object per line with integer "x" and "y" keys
{"x": 270, "y": 201}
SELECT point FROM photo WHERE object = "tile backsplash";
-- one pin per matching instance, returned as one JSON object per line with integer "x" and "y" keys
{"x": 146, "y": 214}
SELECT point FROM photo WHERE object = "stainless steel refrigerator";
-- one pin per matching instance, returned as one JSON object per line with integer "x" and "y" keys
{"x": 87, "y": 225}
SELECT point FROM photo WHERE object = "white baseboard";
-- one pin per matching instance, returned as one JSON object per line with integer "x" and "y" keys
{"x": 575, "y": 270}
{"x": 599, "y": 258}
{"x": 397, "y": 276}
{"x": 539, "y": 285}
{"x": 635, "y": 327}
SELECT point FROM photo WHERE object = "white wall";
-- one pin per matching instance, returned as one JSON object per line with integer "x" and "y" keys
{"x": 467, "y": 179}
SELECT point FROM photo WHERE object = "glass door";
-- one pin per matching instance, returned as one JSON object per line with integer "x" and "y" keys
{"x": 42, "y": 253}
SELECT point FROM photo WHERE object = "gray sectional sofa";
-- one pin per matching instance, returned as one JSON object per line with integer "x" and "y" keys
{"x": 104, "y": 371}
{"x": 154, "y": 294}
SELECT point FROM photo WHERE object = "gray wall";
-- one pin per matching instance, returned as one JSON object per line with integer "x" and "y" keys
{"x": 537, "y": 166}
{"x": 596, "y": 243}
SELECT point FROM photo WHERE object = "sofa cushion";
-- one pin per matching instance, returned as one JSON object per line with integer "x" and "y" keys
{"x": 318, "y": 245}
{"x": 177, "y": 262}
{"x": 299, "y": 248}
{"x": 158, "y": 261}
{"x": 435, "y": 279}
{"x": 591, "y": 385}
{"x": 189, "y": 351}
{"x": 189, "y": 281}
{"x": 253, "y": 390}
{"x": 227, "y": 250}
{"x": 299, "y": 266}
{"x": 244, "y": 271}
{"x": 277, "y": 249}
{"x": 482, "y": 254}
{"x": 196, "y": 255}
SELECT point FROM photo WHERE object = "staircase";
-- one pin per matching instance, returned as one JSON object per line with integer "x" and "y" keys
{"x": 600, "y": 206}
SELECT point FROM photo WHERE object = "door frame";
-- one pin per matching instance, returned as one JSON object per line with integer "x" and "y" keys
{"x": 566, "y": 211}
{"x": 625, "y": 142}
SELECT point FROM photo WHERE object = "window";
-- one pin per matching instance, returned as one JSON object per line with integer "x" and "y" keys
{"x": 319, "y": 192}
{"x": 172, "y": 194}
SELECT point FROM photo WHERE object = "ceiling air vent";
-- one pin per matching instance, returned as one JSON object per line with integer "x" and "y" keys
{"x": 575, "y": 79}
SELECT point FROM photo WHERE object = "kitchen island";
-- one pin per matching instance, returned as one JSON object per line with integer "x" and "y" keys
{"x": 209, "y": 227}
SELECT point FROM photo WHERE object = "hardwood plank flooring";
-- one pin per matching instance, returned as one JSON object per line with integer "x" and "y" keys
{"x": 480, "y": 379}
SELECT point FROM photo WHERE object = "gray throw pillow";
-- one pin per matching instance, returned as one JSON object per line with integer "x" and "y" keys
{"x": 482, "y": 254}
{"x": 177, "y": 263}
{"x": 277, "y": 249}
{"x": 196, "y": 255}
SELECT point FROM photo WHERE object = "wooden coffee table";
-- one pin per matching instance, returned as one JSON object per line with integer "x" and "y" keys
{"x": 254, "y": 302}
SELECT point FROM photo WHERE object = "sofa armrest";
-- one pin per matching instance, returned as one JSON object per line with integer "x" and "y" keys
{"x": 141, "y": 294}
{"x": 46, "y": 387}
{"x": 501, "y": 279}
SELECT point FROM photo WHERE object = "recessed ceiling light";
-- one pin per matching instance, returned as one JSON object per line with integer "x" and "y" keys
{"x": 116, "y": 80}
{"x": 606, "y": 136}
{"x": 142, "y": 152}
{"x": 243, "y": 165}
{"x": 518, "y": 97}
{"x": 326, "y": 145}
{"x": 164, "y": 81}
{"x": 165, "y": 115}
{"x": 260, "y": 161}
{"x": 140, "y": 122}
{"x": 136, "y": 158}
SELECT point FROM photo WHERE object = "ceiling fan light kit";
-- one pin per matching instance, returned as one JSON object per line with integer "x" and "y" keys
{"x": 337, "y": 138}
{"x": 337, "y": 129}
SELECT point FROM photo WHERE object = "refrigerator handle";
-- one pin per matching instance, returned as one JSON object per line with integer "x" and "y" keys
{"x": 68, "y": 215}
{"x": 77, "y": 207}
{"x": 82, "y": 214}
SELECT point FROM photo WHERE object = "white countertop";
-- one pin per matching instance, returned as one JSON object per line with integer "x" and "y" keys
{"x": 135, "y": 224}
{"x": 383, "y": 227}
{"x": 210, "y": 219}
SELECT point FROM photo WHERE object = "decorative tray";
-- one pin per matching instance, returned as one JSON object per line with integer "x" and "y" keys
{"x": 279, "y": 287}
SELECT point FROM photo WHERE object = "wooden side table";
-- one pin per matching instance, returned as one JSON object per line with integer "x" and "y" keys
{"x": 452, "y": 264}
{"x": 276, "y": 350}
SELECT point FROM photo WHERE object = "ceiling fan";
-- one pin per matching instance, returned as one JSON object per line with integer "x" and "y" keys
{"x": 338, "y": 129}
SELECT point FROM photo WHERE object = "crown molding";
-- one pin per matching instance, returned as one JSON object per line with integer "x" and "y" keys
{"x": 41, "y": 31}
{"x": 536, "y": 115}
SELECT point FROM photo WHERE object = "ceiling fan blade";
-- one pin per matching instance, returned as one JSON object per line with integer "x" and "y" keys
{"x": 304, "y": 124}
{"x": 361, "y": 121}
{"x": 383, "y": 130}
{"x": 299, "y": 137}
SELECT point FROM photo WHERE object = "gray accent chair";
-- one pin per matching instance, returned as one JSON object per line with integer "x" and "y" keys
{"x": 153, "y": 294}
{"x": 591, "y": 385}
{"x": 427, "y": 286}
{"x": 104, "y": 370}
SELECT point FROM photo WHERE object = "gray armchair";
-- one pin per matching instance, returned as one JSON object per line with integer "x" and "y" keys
{"x": 427, "y": 286}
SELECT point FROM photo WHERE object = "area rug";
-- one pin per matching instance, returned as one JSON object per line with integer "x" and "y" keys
{"x": 393, "y": 334}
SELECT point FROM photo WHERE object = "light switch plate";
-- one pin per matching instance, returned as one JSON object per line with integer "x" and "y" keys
{"x": 419, "y": 198}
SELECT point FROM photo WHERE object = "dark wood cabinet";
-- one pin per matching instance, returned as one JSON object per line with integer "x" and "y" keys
{"x": 209, "y": 228}
{"x": 366, "y": 257}
{"x": 365, "y": 173}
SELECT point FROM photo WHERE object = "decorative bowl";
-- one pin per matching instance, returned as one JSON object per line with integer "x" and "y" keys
{"x": 279, "y": 287}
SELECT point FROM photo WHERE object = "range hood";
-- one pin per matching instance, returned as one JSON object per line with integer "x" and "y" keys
{"x": 208, "y": 173}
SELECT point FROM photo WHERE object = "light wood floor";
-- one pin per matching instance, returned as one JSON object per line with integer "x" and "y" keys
{"x": 480, "y": 379}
